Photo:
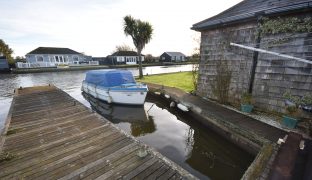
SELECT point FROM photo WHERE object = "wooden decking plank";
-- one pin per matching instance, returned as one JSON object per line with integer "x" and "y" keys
{"x": 140, "y": 168}
{"x": 54, "y": 136}
{"x": 113, "y": 164}
{"x": 48, "y": 115}
{"x": 45, "y": 112}
{"x": 158, "y": 173}
{"x": 55, "y": 150}
{"x": 104, "y": 168}
{"x": 35, "y": 108}
{"x": 61, "y": 141}
{"x": 117, "y": 172}
{"x": 31, "y": 105}
{"x": 44, "y": 140}
{"x": 168, "y": 174}
{"x": 53, "y": 160}
{"x": 36, "y": 101}
{"x": 61, "y": 169}
{"x": 50, "y": 127}
{"x": 104, "y": 161}
{"x": 35, "y": 124}
{"x": 43, "y": 136}
{"x": 149, "y": 170}
{"x": 27, "y": 122}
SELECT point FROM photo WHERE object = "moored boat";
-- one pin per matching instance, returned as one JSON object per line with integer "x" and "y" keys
{"x": 114, "y": 86}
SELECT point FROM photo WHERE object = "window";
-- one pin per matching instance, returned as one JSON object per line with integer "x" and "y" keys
{"x": 39, "y": 59}
{"x": 56, "y": 59}
{"x": 76, "y": 58}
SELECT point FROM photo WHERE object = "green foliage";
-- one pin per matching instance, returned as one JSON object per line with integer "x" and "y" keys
{"x": 195, "y": 74}
{"x": 221, "y": 84}
{"x": 307, "y": 99}
{"x": 6, "y": 156}
{"x": 295, "y": 99}
{"x": 123, "y": 47}
{"x": 246, "y": 98}
{"x": 181, "y": 80}
{"x": 12, "y": 131}
{"x": 304, "y": 100}
{"x": 141, "y": 33}
{"x": 286, "y": 25}
{"x": 6, "y": 51}
{"x": 261, "y": 161}
{"x": 293, "y": 110}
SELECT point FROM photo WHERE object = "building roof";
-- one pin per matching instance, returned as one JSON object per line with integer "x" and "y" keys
{"x": 174, "y": 53}
{"x": 125, "y": 53}
{"x": 250, "y": 9}
{"x": 53, "y": 50}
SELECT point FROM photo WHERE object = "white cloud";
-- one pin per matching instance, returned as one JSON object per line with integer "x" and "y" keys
{"x": 95, "y": 26}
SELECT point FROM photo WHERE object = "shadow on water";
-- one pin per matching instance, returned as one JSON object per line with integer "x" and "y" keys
{"x": 136, "y": 116}
{"x": 179, "y": 137}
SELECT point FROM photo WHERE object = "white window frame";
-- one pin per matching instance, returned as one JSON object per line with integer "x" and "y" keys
{"x": 38, "y": 56}
{"x": 75, "y": 57}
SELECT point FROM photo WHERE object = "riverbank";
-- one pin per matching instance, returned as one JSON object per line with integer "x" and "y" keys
{"x": 79, "y": 68}
{"x": 234, "y": 126}
{"x": 252, "y": 135}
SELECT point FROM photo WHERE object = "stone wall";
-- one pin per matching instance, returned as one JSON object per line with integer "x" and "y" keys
{"x": 274, "y": 75}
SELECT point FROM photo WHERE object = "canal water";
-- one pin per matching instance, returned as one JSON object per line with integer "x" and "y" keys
{"x": 173, "y": 133}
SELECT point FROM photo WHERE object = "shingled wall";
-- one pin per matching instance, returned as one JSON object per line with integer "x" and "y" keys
{"x": 215, "y": 47}
{"x": 274, "y": 75}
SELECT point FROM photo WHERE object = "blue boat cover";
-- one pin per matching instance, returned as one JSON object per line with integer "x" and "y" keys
{"x": 109, "y": 78}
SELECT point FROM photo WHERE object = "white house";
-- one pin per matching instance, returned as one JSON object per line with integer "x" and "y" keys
{"x": 52, "y": 56}
{"x": 125, "y": 57}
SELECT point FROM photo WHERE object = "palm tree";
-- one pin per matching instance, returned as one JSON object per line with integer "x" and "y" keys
{"x": 141, "y": 33}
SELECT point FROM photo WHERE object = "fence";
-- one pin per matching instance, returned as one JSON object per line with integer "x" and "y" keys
{"x": 50, "y": 64}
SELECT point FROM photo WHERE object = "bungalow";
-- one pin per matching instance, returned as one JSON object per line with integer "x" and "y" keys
{"x": 52, "y": 56}
{"x": 272, "y": 25}
{"x": 125, "y": 57}
{"x": 172, "y": 57}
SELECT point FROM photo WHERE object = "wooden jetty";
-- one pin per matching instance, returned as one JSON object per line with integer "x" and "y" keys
{"x": 50, "y": 135}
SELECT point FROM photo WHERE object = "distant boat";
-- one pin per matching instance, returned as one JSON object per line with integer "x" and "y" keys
{"x": 114, "y": 86}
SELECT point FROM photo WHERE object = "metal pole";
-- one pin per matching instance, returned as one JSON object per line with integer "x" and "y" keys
{"x": 273, "y": 53}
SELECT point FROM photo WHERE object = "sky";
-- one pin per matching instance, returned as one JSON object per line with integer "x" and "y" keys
{"x": 95, "y": 27}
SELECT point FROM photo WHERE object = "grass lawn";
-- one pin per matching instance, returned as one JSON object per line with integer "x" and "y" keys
{"x": 181, "y": 80}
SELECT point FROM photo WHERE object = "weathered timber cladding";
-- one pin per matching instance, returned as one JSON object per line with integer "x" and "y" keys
{"x": 274, "y": 75}
{"x": 214, "y": 47}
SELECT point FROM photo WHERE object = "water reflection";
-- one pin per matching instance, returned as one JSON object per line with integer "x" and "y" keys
{"x": 140, "y": 123}
{"x": 177, "y": 136}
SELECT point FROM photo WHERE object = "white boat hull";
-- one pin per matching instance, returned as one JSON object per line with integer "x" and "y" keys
{"x": 116, "y": 95}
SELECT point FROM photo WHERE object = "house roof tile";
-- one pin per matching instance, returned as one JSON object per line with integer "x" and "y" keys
{"x": 249, "y": 9}
{"x": 175, "y": 53}
{"x": 53, "y": 50}
{"x": 126, "y": 53}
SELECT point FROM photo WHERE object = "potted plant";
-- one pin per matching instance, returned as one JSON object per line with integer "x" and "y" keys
{"x": 246, "y": 102}
{"x": 292, "y": 105}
